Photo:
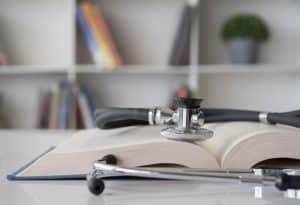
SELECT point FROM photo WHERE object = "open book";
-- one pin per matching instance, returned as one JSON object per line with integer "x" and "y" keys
{"x": 234, "y": 145}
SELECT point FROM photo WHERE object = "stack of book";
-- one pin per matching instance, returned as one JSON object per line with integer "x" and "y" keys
{"x": 97, "y": 35}
{"x": 66, "y": 106}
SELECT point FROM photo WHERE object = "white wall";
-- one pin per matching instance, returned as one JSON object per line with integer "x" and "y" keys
{"x": 34, "y": 32}
{"x": 135, "y": 90}
{"x": 258, "y": 91}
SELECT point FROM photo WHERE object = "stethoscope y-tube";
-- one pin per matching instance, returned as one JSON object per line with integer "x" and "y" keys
{"x": 282, "y": 179}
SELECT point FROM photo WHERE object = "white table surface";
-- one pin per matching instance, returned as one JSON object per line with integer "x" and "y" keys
{"x": 19, "y": 147}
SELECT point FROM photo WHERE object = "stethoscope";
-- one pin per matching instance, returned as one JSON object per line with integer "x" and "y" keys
{"x": 186, "y": 124}
{"x": 282, "y": 179}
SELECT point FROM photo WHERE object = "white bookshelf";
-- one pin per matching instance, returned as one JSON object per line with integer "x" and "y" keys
{"x": 43, "y": 46}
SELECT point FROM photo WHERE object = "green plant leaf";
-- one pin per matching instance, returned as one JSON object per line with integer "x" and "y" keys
{"x": 245, "y": 26}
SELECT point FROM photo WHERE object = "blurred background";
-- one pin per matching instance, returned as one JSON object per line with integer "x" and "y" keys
{"x": 61, "y": 59}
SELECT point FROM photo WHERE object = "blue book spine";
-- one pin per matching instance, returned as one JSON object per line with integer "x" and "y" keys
{"x": 64, "y": 109}
{"x": 89, "y": 38}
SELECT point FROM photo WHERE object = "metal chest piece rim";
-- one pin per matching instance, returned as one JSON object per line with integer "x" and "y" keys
{"x": 189, "y": 135}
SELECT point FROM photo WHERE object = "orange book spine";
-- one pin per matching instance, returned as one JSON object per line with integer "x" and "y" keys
{"x": 88, "y": 12}
{"x": 105, "y": 31}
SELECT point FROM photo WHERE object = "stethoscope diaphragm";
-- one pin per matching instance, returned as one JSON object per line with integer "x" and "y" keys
{"x": 190, "y": 135}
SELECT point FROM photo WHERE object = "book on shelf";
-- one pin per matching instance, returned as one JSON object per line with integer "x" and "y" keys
{"x": 67, "y": 109}
{"x": 85, "y": 108}
{"x": 91, "y": 42}
{"x": 98, "y": 35}
{"x": 55, "y": 103}
{"x": 180, "y": 53}
{"x": 234, "y": 145}
{"x": 3, "y": 60}
{"x": 44, "y": 108}
{"x": 72, "y": 122}
{"x": 4, "y": 123}
{"x": 59, "y": 107}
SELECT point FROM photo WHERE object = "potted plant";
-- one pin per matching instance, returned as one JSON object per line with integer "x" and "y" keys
{"x": 244, "y": 33}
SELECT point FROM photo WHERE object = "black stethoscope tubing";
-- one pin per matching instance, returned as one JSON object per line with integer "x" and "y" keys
{"x": 109, "y": 118}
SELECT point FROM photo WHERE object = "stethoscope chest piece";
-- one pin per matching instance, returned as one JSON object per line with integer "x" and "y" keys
{"x": 188, "y": 120}
{"x": 190, "y": 135}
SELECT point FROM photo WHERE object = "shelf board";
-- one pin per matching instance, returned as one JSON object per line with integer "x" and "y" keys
{"x": 149, "y": 69}
{"x": 31, "y": 70}
{"x": 134, "y": 69}
{"x": 200, "y": 69}
{"x": 258, "y": 68}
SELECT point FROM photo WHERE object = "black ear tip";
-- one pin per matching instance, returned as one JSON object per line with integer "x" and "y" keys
{"x": 281, "y": 182}
{"x": 96, "y": 185}
{"x": 110, "y": 159}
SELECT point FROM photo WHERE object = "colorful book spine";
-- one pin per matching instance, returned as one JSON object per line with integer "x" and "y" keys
{"x": 101, "y": 33}
{"x": 92, "y": 45}
{"x": 107, "y": 35}
{"x": 87, "y": 10}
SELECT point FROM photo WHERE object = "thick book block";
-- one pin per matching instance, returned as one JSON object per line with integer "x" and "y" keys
{"x": 234, "y": 145}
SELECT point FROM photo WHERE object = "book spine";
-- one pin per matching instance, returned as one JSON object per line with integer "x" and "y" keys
{"x": 87, "y": 118}
{"x": 79, "y": 114}
{"x": 100, "y": 20}
{"x": 54, "y": 108}
{"x": 72, "y": 107}
{"x": 92, "y": 45}
{"x": 64, "y": 108}
{"x": 88, "y": 11}
{"x": 180, "y": 50}
{"x": 45, "y": 99}
{"x": 91, "y": 105}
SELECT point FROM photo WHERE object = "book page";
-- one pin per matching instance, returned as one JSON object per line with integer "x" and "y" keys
{"x": 133, "y": 146}
{"x": 244, "y": 144}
